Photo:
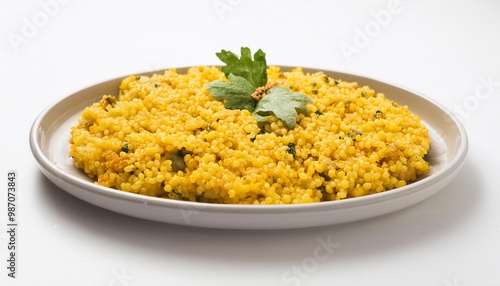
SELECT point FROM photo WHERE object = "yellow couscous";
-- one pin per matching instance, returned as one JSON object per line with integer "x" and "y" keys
{"x": 165, "y": 136}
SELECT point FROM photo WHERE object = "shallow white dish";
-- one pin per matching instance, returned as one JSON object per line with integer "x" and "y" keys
{"x": 49, "y": 141}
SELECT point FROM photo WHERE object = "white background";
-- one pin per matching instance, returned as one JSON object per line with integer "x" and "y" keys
{"x": 445, "y": 50}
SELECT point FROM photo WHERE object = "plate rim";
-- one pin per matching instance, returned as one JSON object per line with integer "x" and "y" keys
{"x": 451, "y": 166}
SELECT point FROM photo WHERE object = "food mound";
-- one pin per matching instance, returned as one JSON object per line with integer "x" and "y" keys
{"x": 165, "y": 136}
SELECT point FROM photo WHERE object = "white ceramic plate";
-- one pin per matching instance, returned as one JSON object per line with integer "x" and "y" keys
{"x": 49, "y": 141}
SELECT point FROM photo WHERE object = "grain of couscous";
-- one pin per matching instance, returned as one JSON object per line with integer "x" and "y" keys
{"x": 165, "y": 136}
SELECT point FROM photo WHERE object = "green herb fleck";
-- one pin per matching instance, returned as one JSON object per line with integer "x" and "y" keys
{"x": 179, "y": 195}
{"x": 111, "y": 100}
{"x": 363, "y": 94}
{"x": 326, "y": 79}
{"x": 353, "y": 133}
{"x": 318, "y": 112}
{"x": 321, "y": 188}
{"x": 201, "y": 198}
{"x": 178, "y": 163}
{"x": 314, "y": 91}
{"x": 124, "y": 148}
{"x": 357, "y": 131}
{"x": 290, "y": 149}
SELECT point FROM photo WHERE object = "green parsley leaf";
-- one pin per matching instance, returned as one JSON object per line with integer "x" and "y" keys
{"x": 248, "y": 89}
{"x": 236, "y": 93}
{"x": 290, "y": 149}
{"x": 282, "y": 103}
{"x": 254, "y": 71}
{"x": 124, "y": 148}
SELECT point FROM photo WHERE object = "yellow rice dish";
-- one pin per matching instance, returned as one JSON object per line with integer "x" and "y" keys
{"x": 165, "y": 136}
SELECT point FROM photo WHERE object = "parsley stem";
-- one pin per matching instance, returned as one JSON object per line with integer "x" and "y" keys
{"x": 261, "y": 91}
